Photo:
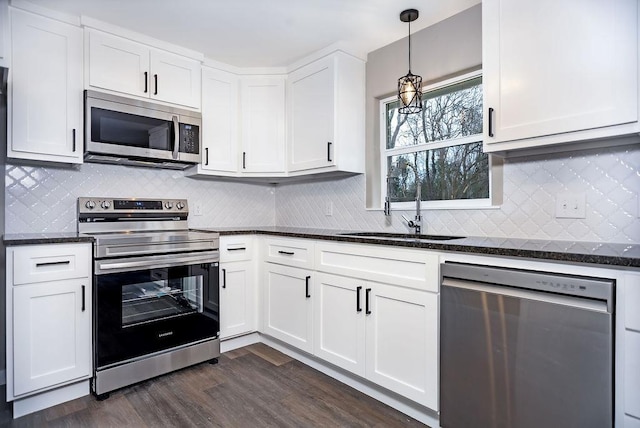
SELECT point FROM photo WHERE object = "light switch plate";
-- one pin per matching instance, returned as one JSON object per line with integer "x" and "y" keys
{"x": 571, "y": 205}
{"x": 197, "y": 208}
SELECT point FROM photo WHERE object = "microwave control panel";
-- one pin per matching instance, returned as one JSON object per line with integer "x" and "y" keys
{"x": 189, "y": 138}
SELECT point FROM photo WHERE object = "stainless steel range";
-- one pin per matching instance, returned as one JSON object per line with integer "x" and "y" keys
{"x": 156, "y": 304}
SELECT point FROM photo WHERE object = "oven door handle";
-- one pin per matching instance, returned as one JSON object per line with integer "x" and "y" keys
{"x": 103, "y": 267}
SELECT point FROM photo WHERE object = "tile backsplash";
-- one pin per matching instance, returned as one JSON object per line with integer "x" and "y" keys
{"x": 610, "y": 179}
{"x": 43, "y": 199}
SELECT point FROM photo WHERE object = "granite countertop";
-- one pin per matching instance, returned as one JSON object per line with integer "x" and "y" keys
{"x": 622, "y": 255}
{"x": 44, "y": 238}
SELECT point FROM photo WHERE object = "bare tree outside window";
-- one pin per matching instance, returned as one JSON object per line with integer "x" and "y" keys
{"x": 443, "y": 143}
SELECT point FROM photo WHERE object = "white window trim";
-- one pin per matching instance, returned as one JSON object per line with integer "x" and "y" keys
{"x": 495, "y": 164}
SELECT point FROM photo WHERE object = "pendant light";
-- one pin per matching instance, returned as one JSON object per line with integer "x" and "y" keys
{"x": 410, "y": 86}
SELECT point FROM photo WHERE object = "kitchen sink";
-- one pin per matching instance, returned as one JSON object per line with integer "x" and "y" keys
{"x": 405, "y": 236}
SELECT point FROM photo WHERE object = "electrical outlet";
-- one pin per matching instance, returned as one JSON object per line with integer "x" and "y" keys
{"x": 328, "y": 209}
{"x": 197, "y": 208}
{"x": 571, "y": 205}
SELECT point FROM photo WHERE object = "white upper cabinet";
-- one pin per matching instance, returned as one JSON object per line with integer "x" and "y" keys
{"x": 219, "y": 121}
{"x": 263, "y": 124}
{"x": 559, "y": 71}
{"x": 121, "y": 65}
{"x": 45, "y": 94}
{"x": 325, "y": 112}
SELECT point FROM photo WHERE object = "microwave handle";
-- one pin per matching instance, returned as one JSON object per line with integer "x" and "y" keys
{"x": 176, "y": 136}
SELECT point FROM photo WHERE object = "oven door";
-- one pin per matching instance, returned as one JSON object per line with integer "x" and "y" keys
{"x": 151, "y": 304}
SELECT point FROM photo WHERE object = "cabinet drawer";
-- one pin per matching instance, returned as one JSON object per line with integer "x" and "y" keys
{"x": 290, "y": 252}
{"x": 236, "y": 248}
{"x": 417, "y": 269}
{"x": 52, "y": 262}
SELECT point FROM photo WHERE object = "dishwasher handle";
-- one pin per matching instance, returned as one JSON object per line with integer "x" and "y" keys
{"x": 520, "y": 293}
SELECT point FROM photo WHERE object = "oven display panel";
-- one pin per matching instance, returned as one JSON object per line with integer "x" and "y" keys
{"x": 119, "y": 204}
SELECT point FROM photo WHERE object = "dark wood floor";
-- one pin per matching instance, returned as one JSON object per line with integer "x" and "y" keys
{"x": 255, "y": 386}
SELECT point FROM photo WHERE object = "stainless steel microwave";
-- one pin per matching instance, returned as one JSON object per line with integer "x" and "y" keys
{"x": 132, "y": 132}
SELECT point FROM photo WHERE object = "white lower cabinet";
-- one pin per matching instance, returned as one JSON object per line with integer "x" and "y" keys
{"x": 402, "y": 342}
{"x": 48, "y": 317}
{"x": 287, "y": 301}
{"x": 339, "y": 318}
{"x": 237, "y": 314}
{"x": 52, "y": 334}
{"x": 385, "y": 333}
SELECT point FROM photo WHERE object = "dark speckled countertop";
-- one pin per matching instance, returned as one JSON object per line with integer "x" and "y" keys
{"x": 44, "y": 238}
{"x": 620, "y": 255}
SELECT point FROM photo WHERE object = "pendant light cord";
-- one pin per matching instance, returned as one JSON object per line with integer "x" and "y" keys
{"x": 409, "y": 46}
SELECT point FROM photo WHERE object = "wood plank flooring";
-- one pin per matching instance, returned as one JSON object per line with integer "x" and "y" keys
{"x": 255, "y": 386}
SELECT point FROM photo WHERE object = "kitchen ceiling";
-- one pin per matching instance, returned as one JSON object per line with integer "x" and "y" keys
{"x": 267, "y": 33}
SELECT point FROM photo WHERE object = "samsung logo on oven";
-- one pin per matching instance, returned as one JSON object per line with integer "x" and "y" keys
{"x": 169, "y": 333}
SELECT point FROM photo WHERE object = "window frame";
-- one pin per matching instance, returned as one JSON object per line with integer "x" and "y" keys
{"x": 495, "y": 164}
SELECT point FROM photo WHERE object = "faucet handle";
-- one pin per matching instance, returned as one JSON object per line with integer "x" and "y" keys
{"x": 410, "y": 223}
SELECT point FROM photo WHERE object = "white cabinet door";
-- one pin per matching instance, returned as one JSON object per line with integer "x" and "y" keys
{"x": 402, "y": 341}
{"x": 311, "y": 116}
{"x": 174, "y": 79}
{"x": 263, "y": 124}
{"x": 632, "y": 373}
{"x": 219, "y": 121}
{"x": 4, "y": 33}
{"x": 118, "y": 64}
{"x": 237, "y": 299}
{"x": 555, "y": 67}
{"x": 46, "y": 89}
{"x": 287, "y": 299}
{"x": 339, "y": 321}
{"x": 51, "y": 334}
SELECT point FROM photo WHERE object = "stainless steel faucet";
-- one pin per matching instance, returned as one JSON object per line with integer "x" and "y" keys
{"x": 416, "y": 223}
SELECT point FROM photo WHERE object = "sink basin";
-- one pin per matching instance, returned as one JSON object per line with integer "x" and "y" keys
{"x": 406, "y": 236}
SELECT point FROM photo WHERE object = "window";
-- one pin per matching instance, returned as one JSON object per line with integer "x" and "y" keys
{"x": 439, "y": 148}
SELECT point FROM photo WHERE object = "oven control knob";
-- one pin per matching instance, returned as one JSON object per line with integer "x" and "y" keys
{"x": 105, "y": 205}
{"x": 90, "y": 204}
{"x": 180, "y": 205}
{"x": 168, "y": 205}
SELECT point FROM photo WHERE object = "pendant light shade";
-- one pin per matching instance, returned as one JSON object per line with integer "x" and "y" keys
{"x": 410, "y": 85}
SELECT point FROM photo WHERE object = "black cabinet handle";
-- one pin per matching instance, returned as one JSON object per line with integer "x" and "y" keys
{"x": 237, "y": 249}
{"x": 206, "y": 155}
{"x": 62, "y": 262}
{"x": 244, "y": 160}
{"x": 83, "y": 298}
{"x": 366, "y": 302}
{"x": 146, "y": 82}
{"x": 358, "y": 307}
{"x": 224, "y": 278}
{"x": 329, "y": 151}
{"x": 490, "y": 122}
{"x": 73, "y": 138}
{"x": 306, "y": 280}
{"x": 155, "y": 79}
{"x": 288, "y": 253}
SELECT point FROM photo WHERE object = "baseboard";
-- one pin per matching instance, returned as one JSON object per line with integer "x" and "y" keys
{"x": 408, "y": 407}
{"x": 230, "y": 344}
{"x": 24, "y": 406}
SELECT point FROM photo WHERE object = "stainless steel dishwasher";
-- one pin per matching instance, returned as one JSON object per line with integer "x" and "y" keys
{"x": 524, "y": 349}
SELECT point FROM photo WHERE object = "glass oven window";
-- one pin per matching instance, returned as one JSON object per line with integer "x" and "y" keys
{"x": 162, "y": 298}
